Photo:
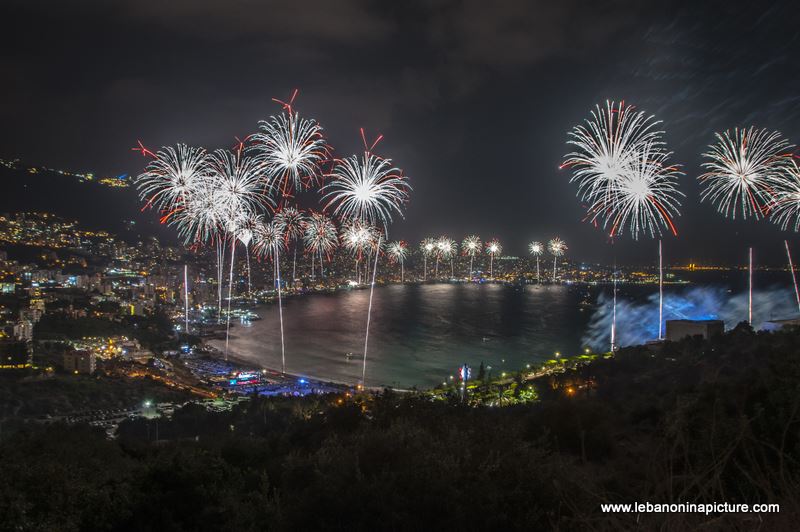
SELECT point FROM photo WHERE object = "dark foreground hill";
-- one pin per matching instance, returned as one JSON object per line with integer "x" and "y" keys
{"x": 700, "y": 422}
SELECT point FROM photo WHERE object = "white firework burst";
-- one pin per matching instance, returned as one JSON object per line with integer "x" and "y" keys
{"x": 785, "y": 207}
{"x": 471, "y": 245}
{"x": 173, "y": 179}
{"x": 359, "y": 237}
{"x": 320, "y": 236}
{"x": 493, "y": 247}
{"x": 557, "y": 247}
{"x": 645, "y": 198}
{"x": 269, "y": 240}
{"x": 238, "y": 183}
{"x": 606, "y": 145}
{"x": 744, "y": 170}
{"x": 398, "y": 251}
{"x": 366, "y": 188}
{"x": 291, "y": 150}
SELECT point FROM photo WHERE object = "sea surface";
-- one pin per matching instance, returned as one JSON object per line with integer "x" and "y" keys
{"x": 421, "y": 334}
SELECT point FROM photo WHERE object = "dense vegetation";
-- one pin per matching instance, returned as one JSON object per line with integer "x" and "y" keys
{"x": 57, "y": 395}
{"x": 696, "y": 421}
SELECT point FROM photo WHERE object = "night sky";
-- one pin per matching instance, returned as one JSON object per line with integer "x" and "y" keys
{"x": 475, "y": 98}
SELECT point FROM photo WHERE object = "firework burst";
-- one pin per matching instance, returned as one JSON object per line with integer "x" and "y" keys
{"x": 606, "y": 145}
{"x": 320, "y": 237}
{"x": 292, "y": 220}
{"x": 238, "y": 184}
{"x": 557, "y": 249}
{"x": 174, "y": 176}
{"x": 536, "y": 249}
{"x": 471, "y": 246}
{"x": 427, "y": 248}
{"x": 291, "y": 150}
{"x": 446, "y": 249}
{"x": 398, "y": 251}
{"x": 645, "y": 198}
{"x": 744, "y": 170}
{"x": 366, "y": 188}
{"x": 493, "y": 248}
{"x": 269, "y": 240}
{"x": 785, "y": 207}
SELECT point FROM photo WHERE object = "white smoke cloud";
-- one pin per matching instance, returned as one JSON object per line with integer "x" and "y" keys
{"x": 637, "y": 322}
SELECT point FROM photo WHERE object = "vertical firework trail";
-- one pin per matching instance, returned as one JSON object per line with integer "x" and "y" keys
{"x": 370, "y": 189}
{"x": 220, "y": 273}
{"x": 794, "y": 278}
{"x": 230, "y": 296}
{"x": 614, "y": 313}
{"x": 750, "y": 290}
{"x": 660, "y": 293}
{"x": 186, "y": 295}
{"x": 369, "y": 312}
{"x": 280, "y": 305}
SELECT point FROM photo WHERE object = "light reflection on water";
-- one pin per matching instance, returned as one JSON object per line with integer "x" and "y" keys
{"x": 420, "y": 334}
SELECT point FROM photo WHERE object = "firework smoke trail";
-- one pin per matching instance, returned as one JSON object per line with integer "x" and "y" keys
{"x": 438, "y": 254}
{"x": 493, "y": 247}
{"x": 557, "y": 248}
{"x": 369, "y": 309}
{"x": 536, "y": 249}
{"x": 470, "y": 246}
{"x": 269, "y": 240}
{"x": 230, "y": 296}
{"x": 369, "y": 189}
{"x": 398, "y": 252}
{"x": 220, "y": 272}
{"x": 744, "y": 171}
{"x": 427, "y": 248}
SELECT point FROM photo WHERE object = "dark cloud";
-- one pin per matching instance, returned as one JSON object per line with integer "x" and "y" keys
{"x": 475, "y": 98}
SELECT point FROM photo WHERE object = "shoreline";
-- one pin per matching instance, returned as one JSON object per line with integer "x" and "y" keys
{"x": 243, "y": 364}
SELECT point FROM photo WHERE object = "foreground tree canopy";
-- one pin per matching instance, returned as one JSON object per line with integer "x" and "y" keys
{"x": 698, "y": 421}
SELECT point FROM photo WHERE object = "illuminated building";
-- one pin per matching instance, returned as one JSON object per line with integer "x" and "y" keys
{"x": 82, "y": 362}
{"x": 15, "y": 354}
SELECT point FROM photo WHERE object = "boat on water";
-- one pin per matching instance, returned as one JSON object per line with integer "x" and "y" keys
{"x": 349, "y": 356}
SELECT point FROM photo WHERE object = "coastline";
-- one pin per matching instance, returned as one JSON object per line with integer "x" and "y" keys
{"x": 214, "y": 346}
{"x": 244, "y": 364}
